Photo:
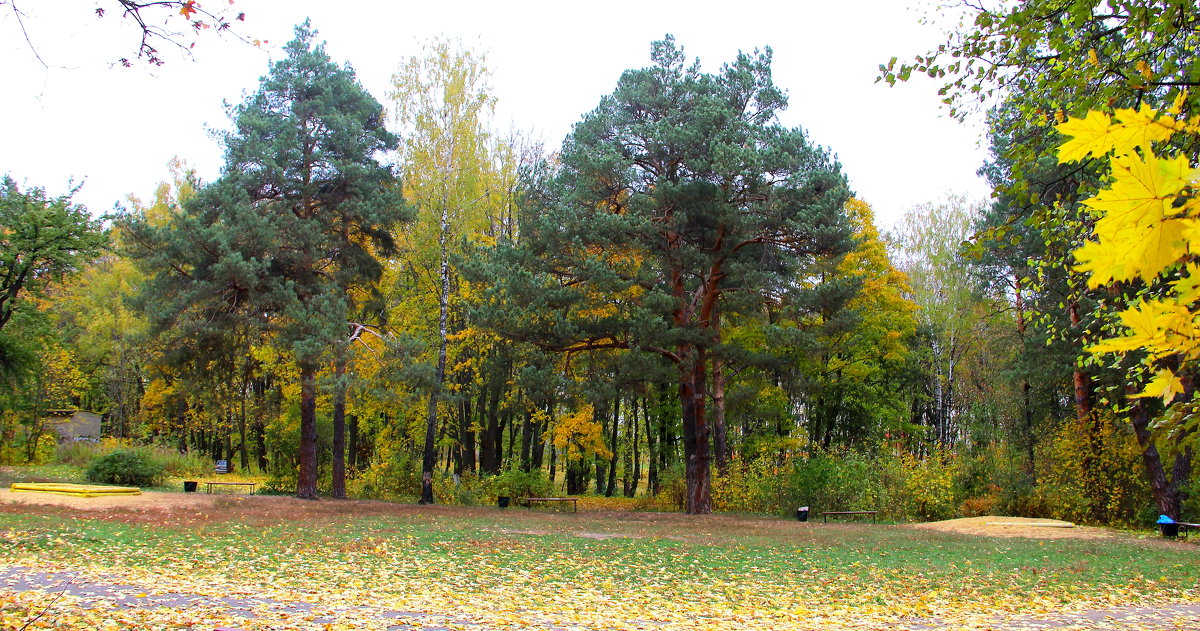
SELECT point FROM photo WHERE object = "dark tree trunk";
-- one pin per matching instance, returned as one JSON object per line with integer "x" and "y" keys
{"x": 651, "y": 453}
{"x": 526, "y": 441}
{"x": 1165, "y": 497}
{"x": 470, "y": 460}
{"x": 633, "y": 456}
{"x": 244, "y": 448}
{"x": 539, "y": 443}
{"x": 306, "y": 479}
{"x": 260, "y": 437}
{"x": 553, "y": 461}
{"x": 720, "y": 440}
{"x": 612, "y": 463}
{"x": 352, "y": 449}
{"x": 490, "y": 458}
{"x": 466, "y": 440}
{"x": 339, "y": 429}
{"x": 695, "y": 438}
{"x": 600, "y": 463}
{"x": 506, "y": 425}
{"x": 577, "y": 477}
{"x": 428, "y": 451}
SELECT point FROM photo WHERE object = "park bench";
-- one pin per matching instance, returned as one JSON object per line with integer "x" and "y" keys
{"x": 1186, "y": 527}
{"x": 574, "y": 501}
{"x": 249, "y": 484}
{"x": 825, "y": 515}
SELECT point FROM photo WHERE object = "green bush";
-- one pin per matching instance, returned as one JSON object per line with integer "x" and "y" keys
{"x": 467, "y": 489}
{"x": 517, "y": 484}
{"x": 77, "y": 453}
{"x": 672, "y": 488}
{"x": 179, "y": 464}
{"x": 129, "y": 467}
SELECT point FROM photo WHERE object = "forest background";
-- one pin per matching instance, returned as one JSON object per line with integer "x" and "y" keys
{"x": 684, "y": 304}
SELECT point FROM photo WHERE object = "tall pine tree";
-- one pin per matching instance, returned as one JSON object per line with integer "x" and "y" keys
{"x": 294, "y": 224}
{"x": 680, "y": 197}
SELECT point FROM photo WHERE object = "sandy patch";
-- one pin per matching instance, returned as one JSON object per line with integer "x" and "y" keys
{"x": 151, "y": 500}
{"x": 999, "y": 526}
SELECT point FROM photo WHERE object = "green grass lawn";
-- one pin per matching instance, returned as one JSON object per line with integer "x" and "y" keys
{"x": 520, "y": 568}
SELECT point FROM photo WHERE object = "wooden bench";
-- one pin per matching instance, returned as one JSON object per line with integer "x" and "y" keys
{"x": 249, "y": 484}
{"x": 825, "y": 515}
{"x": 574, "y": 501}
{"x": 1186, "y": 527}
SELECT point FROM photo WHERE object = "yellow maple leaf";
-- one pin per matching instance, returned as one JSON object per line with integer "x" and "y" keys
{"x": 1098, "y": 133}
{"x": 1165, "y": 386}
{"x": 1140, "y": 127}
{"x": 1139, "y": 231}
{"x": 1088, "y": 136}
{"x": 1144, "y": 322}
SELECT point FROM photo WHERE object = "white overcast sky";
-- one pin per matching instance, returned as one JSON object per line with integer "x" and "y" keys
{"x": 116, "y": 128}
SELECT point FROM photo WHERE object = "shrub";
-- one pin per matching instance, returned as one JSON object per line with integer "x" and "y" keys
{"x": 672, "y": 489}
{"x": 132, "y": 467}
{"x": 465, "y": 490}
{"x": 392, "y": 471}
{"x": 981, "y": 505}
{"x": 1093, "y": 473}
{"x": 514, "y": 483}
{"x": 77, "y": 453}
{"x": 180, "y": 464}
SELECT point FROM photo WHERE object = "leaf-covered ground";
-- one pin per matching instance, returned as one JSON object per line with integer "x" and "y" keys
{"x": 276, "y": 563}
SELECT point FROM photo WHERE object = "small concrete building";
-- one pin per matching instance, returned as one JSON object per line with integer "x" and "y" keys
{"x": 73, "y": 424}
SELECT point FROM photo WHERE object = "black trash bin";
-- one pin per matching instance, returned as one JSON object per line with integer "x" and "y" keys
{"x": 189, "y": 486}
{"x": 502, "y": 501}
{"x": 1169, "y": 530}
{"x": 802, "y": 513}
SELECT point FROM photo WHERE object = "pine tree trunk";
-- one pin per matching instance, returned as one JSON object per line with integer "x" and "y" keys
{"x": 612, "y": 463}
{"x": 339, "y": 428}
{"x": 306, "y": 479}
{"x": 651, "y": 452}
{"x": 634, "y": 453}
{"x": 539, "y": 443}
{"x": 720, "y": 440}
{"x": 600, "y": 463}
{"x": 695, "y": 438}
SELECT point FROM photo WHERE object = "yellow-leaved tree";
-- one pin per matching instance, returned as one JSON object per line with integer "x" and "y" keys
{"x": 1147, "y": 222}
